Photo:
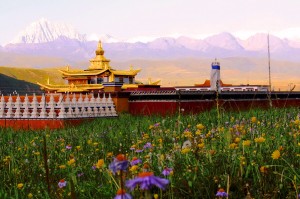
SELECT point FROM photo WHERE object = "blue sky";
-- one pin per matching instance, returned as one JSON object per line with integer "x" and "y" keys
{"x": 127, "y": 19}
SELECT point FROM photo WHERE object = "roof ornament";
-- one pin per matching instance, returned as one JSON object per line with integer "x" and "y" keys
{"x": 99, "y": 50}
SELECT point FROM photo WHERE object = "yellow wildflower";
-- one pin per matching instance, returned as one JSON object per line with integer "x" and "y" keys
{"x": 20, "y": 185}
{"x": 237, "y": 140}
{"x": 71, "y": 162}
{"x": 162, "y": 157}
{"x": 253, "y": 119}
{"x": 30, "y": 195}
{"x": 6, "y": 159}
{"x": 201, "y": 145}
{"x": 62, "y": 166}
{"x": 78, "y": 148}
{"x": 233, "y": 146}
{"x": 185, "y": 150}
{"x": 188, "y": 134}
{"x": 260, "y": 139}
{"x": 109, "y": 154}
{"x": 134, "y": 168}
{"x": 95, "y": 143}
{"x": 263, "y": 169}
{"x": 276, "y": 154}
{"x": 246, "y": 143}
{"x": 208, "y": 134}
{"x": 100, "y": 164}
{"x": 200, "y": 126}
{"x": 147, "y": 156}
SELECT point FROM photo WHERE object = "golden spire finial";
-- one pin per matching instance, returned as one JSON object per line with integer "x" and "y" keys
{"x": 99, "y": 50}
{"x": 131, "y": 67}
{"x": 99, "y": 44}
{"x": 48, "y": 81}
{"x": 68, "y": 67}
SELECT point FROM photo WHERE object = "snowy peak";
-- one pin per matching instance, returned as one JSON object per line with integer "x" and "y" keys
{"x": 224, "y": 40}
{"x": 259, "y": 42}
{"x": 43, "y": 31}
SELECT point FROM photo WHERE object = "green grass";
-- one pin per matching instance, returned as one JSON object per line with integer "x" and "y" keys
{"x": 216, "y": 158}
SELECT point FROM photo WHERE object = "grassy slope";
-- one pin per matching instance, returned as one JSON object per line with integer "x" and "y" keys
{"x": 33, "y": 75}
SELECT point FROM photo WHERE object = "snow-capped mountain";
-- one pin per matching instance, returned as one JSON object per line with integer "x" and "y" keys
{"x": 57, "y": 40}
{"x": 259, "y": 42}
{"x": 224, "y": 40}
{"x": 43, "y": 31}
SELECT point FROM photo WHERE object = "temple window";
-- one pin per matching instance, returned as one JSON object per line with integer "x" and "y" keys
{"x": 130, "y": 80}
{"x": 91, "y": 81}
{"x": 99, "y": 80}
{"x": 121, "y": 79}
{"x": 126, "y": 80}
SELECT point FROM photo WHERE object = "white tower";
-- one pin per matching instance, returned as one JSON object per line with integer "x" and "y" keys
{"x": 215, "y": 83}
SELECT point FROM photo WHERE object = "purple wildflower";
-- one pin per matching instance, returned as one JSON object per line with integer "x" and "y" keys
{"x": 119, "y": 163}
{"x": 80, "y": 174}
{"x": 238, "y": 133}
{"x": 138, "y": 150}
{"x": 221, "y": 193}
{"x": 146, "y": 180}
{"x": 135, "y": 161}
{"x": 121, "y": 194}
{"x": 62, "y": 183}
{"x": 94, "y": 167}
{"x": 167, "y": 171}
{"x": 147, "y": 145}
{"x": 69, "y": 147}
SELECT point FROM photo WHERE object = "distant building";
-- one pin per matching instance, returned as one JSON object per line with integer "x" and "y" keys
{"x": 216, "y": 84}
{"x": 99, "y": 76}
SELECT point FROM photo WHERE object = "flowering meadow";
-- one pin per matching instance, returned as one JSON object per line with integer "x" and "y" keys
{"x": 253, "y": 154}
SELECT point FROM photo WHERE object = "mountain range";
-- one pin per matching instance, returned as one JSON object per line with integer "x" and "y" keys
{"x": 44, "y": 44}
{"x": 63, "y": 43}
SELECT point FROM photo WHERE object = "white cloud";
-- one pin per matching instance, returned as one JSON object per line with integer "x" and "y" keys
{"x": 289, "y": 33}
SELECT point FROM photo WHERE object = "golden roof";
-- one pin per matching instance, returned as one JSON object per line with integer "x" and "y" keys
{"x": 125, "y": 72}
{"x": 125, "y": 86}
{"x": 71, "y": 87}
{"x": 98, "y": 72}
{"x": 81, "y": 72}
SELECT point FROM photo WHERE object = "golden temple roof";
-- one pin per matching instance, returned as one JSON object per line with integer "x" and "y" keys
{"x": 97, "y": 72}
{"x": 70, "y": 87}
{"x": 125, "y": 72}
{"x": 81, "y": 72}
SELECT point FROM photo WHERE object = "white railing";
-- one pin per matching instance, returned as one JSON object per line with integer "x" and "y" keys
{"x": 63, "y": 106}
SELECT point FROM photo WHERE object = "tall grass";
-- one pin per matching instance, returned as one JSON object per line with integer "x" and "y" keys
{"x": 206, "y": 152}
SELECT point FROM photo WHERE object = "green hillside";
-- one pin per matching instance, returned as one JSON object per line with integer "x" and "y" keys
{"x": 23, "y": 80}
{"x": 33, "y": 75}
